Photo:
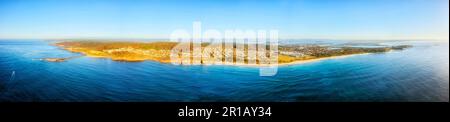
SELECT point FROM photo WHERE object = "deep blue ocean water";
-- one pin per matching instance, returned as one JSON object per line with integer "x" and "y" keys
{"x": 420, "y": 73}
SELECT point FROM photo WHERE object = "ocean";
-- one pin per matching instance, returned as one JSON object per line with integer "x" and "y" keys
{"x": 416, "y": 74}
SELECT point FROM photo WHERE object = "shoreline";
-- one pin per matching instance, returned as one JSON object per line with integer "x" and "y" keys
{"x": 321, "y": 59}
{"x": 238, "y": 64}
{"x": 288, "y": 64}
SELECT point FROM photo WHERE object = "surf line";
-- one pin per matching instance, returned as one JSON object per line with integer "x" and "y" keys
{"x": 195, "y": 112}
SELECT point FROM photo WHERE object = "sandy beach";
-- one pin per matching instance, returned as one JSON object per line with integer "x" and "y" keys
{"x": 280, "y": 64}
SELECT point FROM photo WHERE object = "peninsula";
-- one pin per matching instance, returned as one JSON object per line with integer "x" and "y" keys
{"x": 160, "y": 51}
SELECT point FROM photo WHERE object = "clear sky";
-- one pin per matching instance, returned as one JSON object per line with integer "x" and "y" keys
{"x": 328, "y": 19}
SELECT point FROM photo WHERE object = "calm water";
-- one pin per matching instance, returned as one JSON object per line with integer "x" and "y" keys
{"x": 420, "y": 73}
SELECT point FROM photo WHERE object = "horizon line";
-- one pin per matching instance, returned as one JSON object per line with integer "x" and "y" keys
{"x": 352, "y": 39}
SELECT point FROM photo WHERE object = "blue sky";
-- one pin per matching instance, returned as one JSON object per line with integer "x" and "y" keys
{"x": 328, "y": 19}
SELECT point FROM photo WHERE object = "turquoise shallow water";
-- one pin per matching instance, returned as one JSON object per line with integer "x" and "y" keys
{"x": 420, "y": 73}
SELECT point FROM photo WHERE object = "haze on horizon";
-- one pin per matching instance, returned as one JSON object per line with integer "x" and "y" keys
{"x": 311, "y": 19}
